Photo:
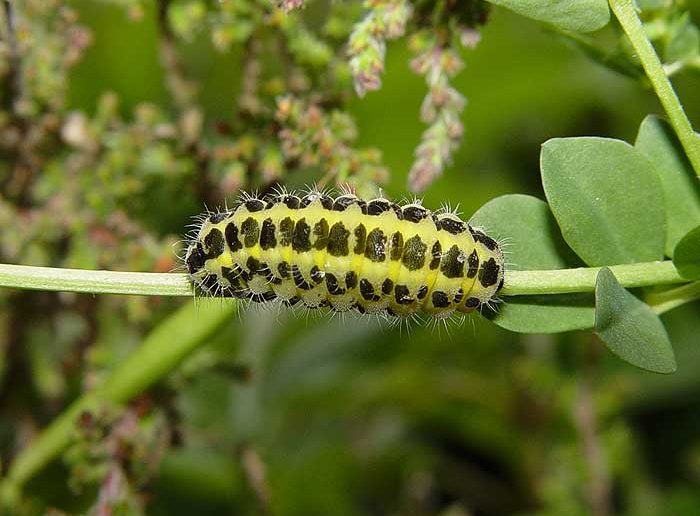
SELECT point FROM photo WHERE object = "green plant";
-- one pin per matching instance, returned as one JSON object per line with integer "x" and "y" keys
{"x": 617, "y": 216}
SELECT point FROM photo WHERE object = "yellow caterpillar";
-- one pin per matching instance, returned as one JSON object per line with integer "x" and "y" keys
{"x": 346, "y": 254}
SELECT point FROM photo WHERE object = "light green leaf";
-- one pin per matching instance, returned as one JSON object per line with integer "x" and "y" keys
{"x": 606, "y": 198}
{"x": 686, "y": 256}
{"x": 575, "y": 15}
{"x": 658, "y": 142}
{"x": 630, "y": 328}
{"x": 532, "y": 241}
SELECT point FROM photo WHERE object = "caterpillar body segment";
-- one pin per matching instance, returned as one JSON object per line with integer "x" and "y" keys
{"x": 346, "y": 253}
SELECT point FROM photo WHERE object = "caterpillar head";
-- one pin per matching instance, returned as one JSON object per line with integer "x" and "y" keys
{"x": 195, "y": 258}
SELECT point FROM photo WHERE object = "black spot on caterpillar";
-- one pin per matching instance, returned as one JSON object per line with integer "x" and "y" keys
{"x": 345, "y": 253}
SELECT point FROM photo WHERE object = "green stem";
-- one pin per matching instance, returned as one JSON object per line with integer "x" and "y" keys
{"x": 625, "y": 12}
{"x": 94, "y": 282}
{"x": 668, "y": 299}
{"x": 566, "y": 281}
{"x": 161, "y": 352}
{"x": 517, "y": 283}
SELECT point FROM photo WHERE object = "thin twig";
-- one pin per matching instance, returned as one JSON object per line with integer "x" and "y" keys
{"x": 585, "y": 418}
{"x": 255, "y": 472}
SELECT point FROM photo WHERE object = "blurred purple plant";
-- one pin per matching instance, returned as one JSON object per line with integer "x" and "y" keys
{"x": 436, "y": 29}
{"x": 441, "y": 109}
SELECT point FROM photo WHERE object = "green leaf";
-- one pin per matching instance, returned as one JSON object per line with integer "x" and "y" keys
{"x": 600, "y": 53}
{"x": 532, "y": 241}
{"x": 530, "y": 234}
{"x": 545, "y": 314}
{"x": 658, "y": 142}
{"x": 606, "y": 198}
{"x": 686, "y": 256}
{"x": 630, "y": 328}
{"x": 575, "y": 15}
{"x": 683, "y": 39}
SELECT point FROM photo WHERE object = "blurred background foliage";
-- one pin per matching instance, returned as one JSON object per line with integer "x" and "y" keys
{"x": 121, "y": 119}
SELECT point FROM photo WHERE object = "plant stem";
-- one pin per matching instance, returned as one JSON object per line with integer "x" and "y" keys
{"x": 517, "y": 283}
{"x": 161, "y": 352}
{"x": 585, "y": 417}
{"x": 566, "y": 281}
{"x": 664, "y": 301}
{"x": 95, "y": 282}
{"x": 625, "y": 12}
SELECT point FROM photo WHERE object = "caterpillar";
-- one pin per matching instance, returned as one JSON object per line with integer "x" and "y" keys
{"x": 345, "y": 253}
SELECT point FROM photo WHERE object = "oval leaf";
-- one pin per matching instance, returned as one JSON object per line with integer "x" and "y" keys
{"x": 530, "y": 234}
{"x": 686, "y": 256}
{"x": 630, "y": 328}
{"x": 532, "y": 241}
{"x": 575, "y": 15}
{"x": 606, "y": 198}
{"x": 657, "y": 141}
{"x": 544, "y": 314}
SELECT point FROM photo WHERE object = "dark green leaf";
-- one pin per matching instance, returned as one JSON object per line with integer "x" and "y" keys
{"x": 686, "y": 256}
{"x": 657, "y": 141}
{"x": 532, "y": 241}
{"x": 576, "y": 15}
{"x": 606, "y": 198}
{"x": 630, "y": 328}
